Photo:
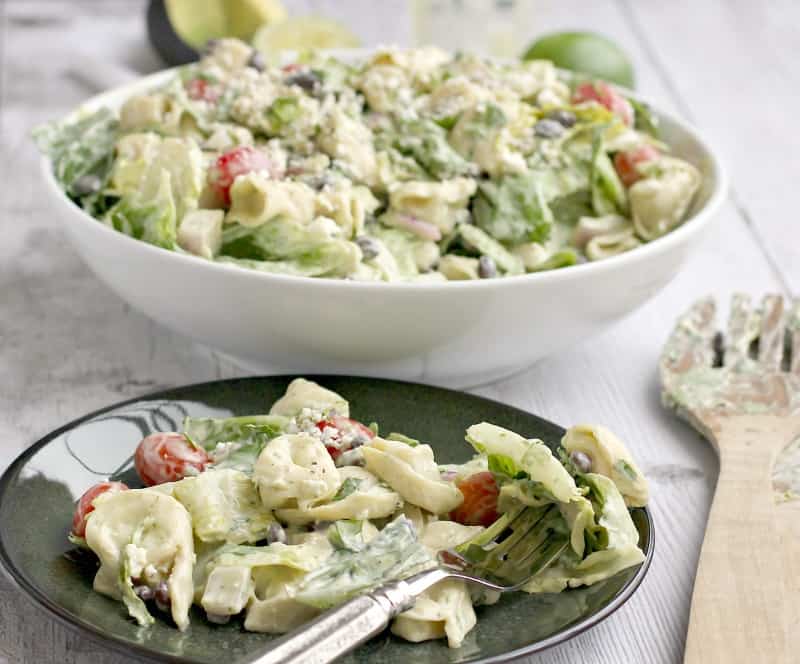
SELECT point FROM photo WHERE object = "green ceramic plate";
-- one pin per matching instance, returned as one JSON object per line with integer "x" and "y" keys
{"x": 38, "y": 490}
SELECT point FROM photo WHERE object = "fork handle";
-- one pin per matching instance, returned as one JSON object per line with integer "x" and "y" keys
{"x": 341, "y": 629}
{"x": 743, "y": 604}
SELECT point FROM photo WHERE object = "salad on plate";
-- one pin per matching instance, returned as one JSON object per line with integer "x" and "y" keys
{"x": 277, "y": 517}
{"x": 401, "y": 165}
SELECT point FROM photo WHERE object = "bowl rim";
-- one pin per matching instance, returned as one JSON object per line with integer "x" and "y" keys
{"x": 28, "y": 587}
{"x": 689, "y": 228}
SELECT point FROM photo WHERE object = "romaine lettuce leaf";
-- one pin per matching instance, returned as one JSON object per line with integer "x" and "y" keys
{"x": 148, "y": 215}
{"x": 608, "y": 192}
{"x": 394, "y": 553}
{"x": 488, "y": 246}
{"x": 287, "y": 247}
{"x": 426, "y": 142}
{"x": 514, "y": 208}
{"x": 245, "y": 437}
{"x": 208, "y": 431}
{"x": 78, "y": 148}
{"x": 224, "y": 506}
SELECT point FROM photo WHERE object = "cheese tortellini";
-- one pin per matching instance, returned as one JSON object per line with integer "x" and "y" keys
{"x": 295, "y": 470}
{"x": 607, "y": 455}
{"x": 659, "y": 201}
{"x": 365, "y": 499}
{"x": 148, "y": 535}
{"x": 412, "y": 473}
{"x": 255, "y": 200}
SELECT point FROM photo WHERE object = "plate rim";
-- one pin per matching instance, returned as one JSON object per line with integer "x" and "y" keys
{"x": 29, "y": 589}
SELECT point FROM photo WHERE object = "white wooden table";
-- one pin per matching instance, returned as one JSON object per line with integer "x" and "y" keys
{"x": 68, "y": 345}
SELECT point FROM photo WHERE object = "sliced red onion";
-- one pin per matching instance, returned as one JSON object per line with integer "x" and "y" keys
{"x": 423, "y": 229}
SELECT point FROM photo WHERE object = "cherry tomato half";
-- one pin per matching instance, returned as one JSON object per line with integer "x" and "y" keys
{"x": 345, "y": 426}
{"x": 239, "y": 161}
{"x": 480, "y": 500}
{"x": 627, "y": 163}
{"x": 606, "y": 96}
{"x": 85, "y": 506}
{"x": 168, "y": 457}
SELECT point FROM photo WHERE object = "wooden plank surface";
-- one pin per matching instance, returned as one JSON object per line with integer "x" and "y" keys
{"x": 68, "y": 345}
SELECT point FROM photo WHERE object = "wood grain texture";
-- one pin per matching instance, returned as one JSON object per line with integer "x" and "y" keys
{"x": 743, "y": 610}
{"x": 732, "y": 66}
{"x": 68, "y": 345}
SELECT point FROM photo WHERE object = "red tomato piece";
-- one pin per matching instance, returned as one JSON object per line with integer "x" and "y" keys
{"x": 480, "y": 500}
{"x": 200, "y": 89}
{"x": 84, "y": 505}
{"x": 290, "y": 68}
{"x": 239, "y": 161}
{"x": 606, "y": 96}
{"x": 335, "y": 452}
{"x": 627, "y": 163}
{"x": 345, "y": 426}
{"x": 168, "y": 457}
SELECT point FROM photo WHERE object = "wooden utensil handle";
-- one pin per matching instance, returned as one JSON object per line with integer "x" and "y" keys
{"x": 742, "y": 604}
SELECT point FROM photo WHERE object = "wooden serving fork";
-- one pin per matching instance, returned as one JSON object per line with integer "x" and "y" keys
{"x": 742, "y": 392}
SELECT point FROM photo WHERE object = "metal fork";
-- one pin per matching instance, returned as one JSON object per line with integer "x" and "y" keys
{"x": 741, "y": 390}
{"x": 502, "y": 558}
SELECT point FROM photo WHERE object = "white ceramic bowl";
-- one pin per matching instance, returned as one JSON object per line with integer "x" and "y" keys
{"x": 456, "y": 333}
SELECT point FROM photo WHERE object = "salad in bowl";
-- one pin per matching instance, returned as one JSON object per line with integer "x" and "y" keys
{"x": 402, "y": 166}
{"x": 270, "y": 519}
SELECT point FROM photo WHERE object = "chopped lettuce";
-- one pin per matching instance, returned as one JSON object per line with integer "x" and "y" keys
{"x": 348, "y": 534}
{"x": 426, "y": 142}
{"x": 644, "y": 119}
{"x": 486, "y": 245}
{"x": 224, "y": 506}
{"x": 608, "y": 192}
{"x": 400, "y": 437}
{"x": 285, "y": 246}
{"x": 148, "y": 215}
{"x": 208, "y": 431}
{"x": 394, "y": 553}
{"x": 514, "y": 208}
{"x": 283, "y": 112}
{"x": 137, "y": 609}
{"x": 242, "y": 438}
{"x": 80, "y": 147}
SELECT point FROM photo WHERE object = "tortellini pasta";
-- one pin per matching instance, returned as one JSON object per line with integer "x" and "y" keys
{"x": 612, "y": 244}
{"x": 384, "y": 86}
{"x": 442, "y": 204}
{"x": 200, "y": 232}
{"x": 444, "y": 610}
{"x": 364, "y": 499}
{"x": 295, "y": 470}
{"x": 255, "y": 199}
{"x": 660, "y": 200}
{"x": 143, "y": 534}
{"x": 347, "y": 140}
{"x": 273, "y": 608}
{"x": 413, "y": 473}
{"x": 347, "y": 205}
{"x": 608, "y": 456}
{"x": 303, "y": 393}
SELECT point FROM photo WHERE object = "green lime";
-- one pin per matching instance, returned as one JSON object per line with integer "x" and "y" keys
{"x": 586, "y": 53}
{"x": 303, "y": 32}
{"x": 197, "y": 22}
